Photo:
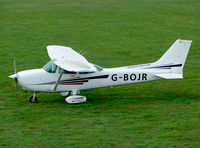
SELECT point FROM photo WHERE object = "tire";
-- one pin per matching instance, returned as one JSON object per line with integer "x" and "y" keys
{"x": 33, "y": 100}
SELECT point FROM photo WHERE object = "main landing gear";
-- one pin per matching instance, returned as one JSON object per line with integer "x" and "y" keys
{"x": 75, "y": 99}
{"x": 33, "y": 99}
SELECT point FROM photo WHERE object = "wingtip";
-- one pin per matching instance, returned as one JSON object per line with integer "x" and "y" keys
{"x": 182, "y": 41}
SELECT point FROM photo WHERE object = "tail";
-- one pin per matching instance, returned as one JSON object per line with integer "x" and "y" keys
{"x": 174, "y": 59}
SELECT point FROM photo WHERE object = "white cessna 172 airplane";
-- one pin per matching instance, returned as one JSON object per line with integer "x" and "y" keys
{"x": 68, "y": 72}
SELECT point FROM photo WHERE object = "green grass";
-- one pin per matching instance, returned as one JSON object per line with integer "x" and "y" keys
{"x": 111, "y": 33}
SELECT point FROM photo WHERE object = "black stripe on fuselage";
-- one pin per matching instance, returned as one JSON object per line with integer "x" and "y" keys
{"x": 78, "y": 80}
{"x": 87, "y": 78}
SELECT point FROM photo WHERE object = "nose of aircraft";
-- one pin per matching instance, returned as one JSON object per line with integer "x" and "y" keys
{"x": 27, "y": 78}
{"x": 13, "y": 76}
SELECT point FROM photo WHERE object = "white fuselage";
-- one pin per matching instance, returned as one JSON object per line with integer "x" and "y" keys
{"x": 68, "y": 72}
{"x": 38, "y": 80}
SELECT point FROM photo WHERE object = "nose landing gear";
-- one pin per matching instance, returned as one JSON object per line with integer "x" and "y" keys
{"x": 33, "y": 99}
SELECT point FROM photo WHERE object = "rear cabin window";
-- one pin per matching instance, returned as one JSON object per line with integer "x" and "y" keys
{"x": 98, "y": 67}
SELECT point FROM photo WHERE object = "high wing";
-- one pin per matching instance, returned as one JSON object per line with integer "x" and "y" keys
{"x": 68, "y": 59}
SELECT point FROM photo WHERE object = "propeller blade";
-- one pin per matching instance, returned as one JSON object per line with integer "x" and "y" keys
{"x": 15, "y": 70}
{"x": 15, "y": 75}
{"x": 15, "y": 83}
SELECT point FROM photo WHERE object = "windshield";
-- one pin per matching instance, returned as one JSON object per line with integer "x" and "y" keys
{"x": 50, "y": 67}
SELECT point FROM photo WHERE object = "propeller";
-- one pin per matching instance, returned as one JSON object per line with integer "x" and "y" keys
{"x": 15, "y": 75}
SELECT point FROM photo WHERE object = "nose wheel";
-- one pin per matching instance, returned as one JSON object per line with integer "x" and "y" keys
{"x": 33, "y": 99}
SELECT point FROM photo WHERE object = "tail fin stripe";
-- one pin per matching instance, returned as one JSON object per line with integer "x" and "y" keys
{"x": 167, "y": 66}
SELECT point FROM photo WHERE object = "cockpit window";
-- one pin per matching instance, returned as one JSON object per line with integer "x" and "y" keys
{"x": 50, "y": 67}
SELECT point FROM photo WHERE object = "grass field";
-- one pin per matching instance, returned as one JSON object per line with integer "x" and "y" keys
{"x": 111, "y": 33}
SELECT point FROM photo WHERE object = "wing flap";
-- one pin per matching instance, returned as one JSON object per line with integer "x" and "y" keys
{"x": 170, "y": 76}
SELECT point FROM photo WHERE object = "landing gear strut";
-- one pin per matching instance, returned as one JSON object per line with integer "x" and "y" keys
{"x": 33, "y": 99}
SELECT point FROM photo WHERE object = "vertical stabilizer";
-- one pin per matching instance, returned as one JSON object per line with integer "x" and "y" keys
{"x": 175, "y": 56}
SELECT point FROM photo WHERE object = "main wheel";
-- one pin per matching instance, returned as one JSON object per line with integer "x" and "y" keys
{"x": 33, "y": 99}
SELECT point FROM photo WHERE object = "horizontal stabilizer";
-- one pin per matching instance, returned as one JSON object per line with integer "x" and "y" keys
{"x": 170, "y": 76}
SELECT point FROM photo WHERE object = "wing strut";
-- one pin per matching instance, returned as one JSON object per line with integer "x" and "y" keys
{"x": 56, "y": 85}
